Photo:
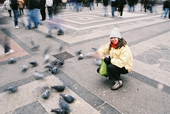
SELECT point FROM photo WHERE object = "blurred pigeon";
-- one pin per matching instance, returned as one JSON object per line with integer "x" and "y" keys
{"x": 68, "y": 98}
{"x": 64, "y": 106}
{"x": 11, "y": 61}
{"x": 81, "y": 56}
{"x": 78, "y": 52}
{"x": 32, "y": 43}
{"x": 94, "y": 49}
{"x": 90, "y": 54}
{"x": 49, "y": 66}
{"x": 60, "y": 48}
{"x": 59, "y": 88}
{"x": 34, "y": 64}
{"x": 46, "y": 50}
{"x": 47, "y": 57}
{"x": 58, "y": 111}
{"x": 46, "y": 94}
{"x": 35, "y": 47}
{"x": 97, "y": 62}
{"x": 11, "y": 89}
{"x": 38, "y": 75}
{"x": 54, "y": 70}
{"x": 24, "y": 68}
{"x": 61, "y": 63}
{"x": 54, "y": 62}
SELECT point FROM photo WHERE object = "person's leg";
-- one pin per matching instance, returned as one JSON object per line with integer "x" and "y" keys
{"x": 165, "y": 12}
{"x": 35, "y": 17}
{"x": 15, "y": 18}
{"x": 9, "y": 11}
{"x": 113, "y": 10}
{"x": 29, "y": 19}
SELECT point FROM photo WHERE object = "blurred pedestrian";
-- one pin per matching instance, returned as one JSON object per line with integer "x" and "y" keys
{"x": 142, "y": 4}
{"x": 91, "y": 4}
{"x": 113, "y": 6}
{"x": 14, "y": 6}
{"x": 21, "y": 7}
{"x": 121, "y": 4}
{"x": 120, "y": 60}
{"x": 105, "y": 4}
{"x": 49, "y": 4}
{"x": 166, "y": 7}
{"x": 7, "y": 6}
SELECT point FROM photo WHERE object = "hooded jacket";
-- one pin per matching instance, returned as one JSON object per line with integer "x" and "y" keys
{"x": 119, "y": 57}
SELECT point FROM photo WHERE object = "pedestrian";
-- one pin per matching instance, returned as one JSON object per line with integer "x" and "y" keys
{"x": 7, "y": 6}
{"x": 120, "y": 60}
{"x": 105, "y": 4}
{"x": 42, "y": 9}
{"x": 113, "y": 7}
{"x": 142, "y": 2}
{"x": 121, "y": 4}
{"x": 91, "y": 2}
{"x": 14, "y": 6}
{"x": 33, "y": 6}
{"x": 166, "y": 8}
{"x": 49, "y": 4}
{"x": 21, "y": 7}
{"x": 5, "y": 43}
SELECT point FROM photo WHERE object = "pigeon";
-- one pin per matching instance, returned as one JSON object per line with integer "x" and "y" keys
{"x": 97, "y": 62}
{"x": 59, "y": 88}
{"x": 11, "y": 89}
{"x": 90, "y": 54}
{"x": 58, "y": 111}
{"x": 32, "y": 43}
{"x": 64, "y": 106}
{"x": 35, "y": 47}
{"x": 68, "y": 98}
{"x": 11, "y": 61}
{"x": 46, "y": 94}
{"x": 49, "y": 66}
{"x": 54, "y": 62}
{"x": 61, "y": 63}
{"x": 81, "y": 56}
{"x": 24, "y": 68}
{"x": 78, "y": 52}
{"x": 38, "y": 75}
{"x": 54, "y": 70}
{"x": 46, "y": 50}
{"x": 60, "y": 48}
{"x": 34, "y": 64}
{"x": 94, "y": 49}
{"x": 47, "y": 56}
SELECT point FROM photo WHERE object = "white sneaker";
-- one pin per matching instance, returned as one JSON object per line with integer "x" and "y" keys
{"x": 17, "y": 27}
{"x": 117, "y": 85}
{"x": 9, "y": 52}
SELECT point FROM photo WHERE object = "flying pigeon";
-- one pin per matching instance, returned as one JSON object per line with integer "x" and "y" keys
{"x": 46, "y": 50}
{"x": 11, "y": 61}
{"x": 46, "y": 94}
{"x": 59, "y": 88}
{"x": 68, "y": 98}
{"x": 47, "y": 57}
{"x": 38, "y": 75}
{"x": 11, "y": 89}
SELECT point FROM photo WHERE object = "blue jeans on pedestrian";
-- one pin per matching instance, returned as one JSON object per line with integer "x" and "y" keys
{"x": 49, "y": 11}
{"x": 15, "y": 17}
{"x": 33, "y": 16}
{"x": 78, "y": 5}
{"x": 113, "y": 10}
{"x": 166, "y": 10}
{"x": 91, "y": 5}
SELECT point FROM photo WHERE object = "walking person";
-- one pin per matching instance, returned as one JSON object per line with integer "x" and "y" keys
{"x": 7, "y": 6}
{"x": 105, "y": 4}
{"x": 166, "y": 7}
{"x": 14, "y": 6}
{"x": 121, "y": 4}
{"x": 49, "y": 4}
{"x": 120, "y": 60}
{"x": 91, "y": 4}
{"x": 113, "y": 6}
{"x": 21, "y": 7}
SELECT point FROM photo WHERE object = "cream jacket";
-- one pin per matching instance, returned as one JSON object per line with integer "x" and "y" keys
{"x": 120, "y": 57}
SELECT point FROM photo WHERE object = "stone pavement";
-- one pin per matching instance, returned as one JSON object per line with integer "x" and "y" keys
{"x": 146, "y": 89}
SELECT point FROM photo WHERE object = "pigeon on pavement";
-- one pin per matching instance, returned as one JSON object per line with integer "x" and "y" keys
{"x": 68, "y": 98}
{"x": 78, "y": 52}
{"x": 11, "y": 61}
{"x": 38, "y": 75}
{"x": 64, "y": 106}
{"x": 11, "y": 89}
{"x": 24, "y": 68}
{"x": 46, "y": 94}
{"x": 59, "y": 88}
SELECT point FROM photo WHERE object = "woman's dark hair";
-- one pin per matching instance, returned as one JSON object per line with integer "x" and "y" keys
{"x": 121, "y": 42}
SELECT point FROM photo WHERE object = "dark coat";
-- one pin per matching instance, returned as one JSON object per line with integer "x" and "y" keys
{"x": 105, "y": 2}
{"x": 114, "y": 3}
{"x": 14, "y": 5}
{"x": 166, "y": 5}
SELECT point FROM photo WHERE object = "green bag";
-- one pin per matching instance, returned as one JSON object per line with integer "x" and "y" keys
{"x": 103, "y": 69}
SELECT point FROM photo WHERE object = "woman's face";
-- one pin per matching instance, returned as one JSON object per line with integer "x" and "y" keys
{"x": 114, "y": 40}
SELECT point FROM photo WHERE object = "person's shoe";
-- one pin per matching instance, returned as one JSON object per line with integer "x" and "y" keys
{"x": 28, "y": 28}
{"x": 116, "y": 86}
{"x": 17, "y": 27}
{"x": 9, "y": 52}
{"x": 120, "y": 83}
{"x": 60, "y": 33}
{"x": 48, "y": 36}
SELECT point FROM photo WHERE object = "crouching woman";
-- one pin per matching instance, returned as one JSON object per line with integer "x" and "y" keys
{"x": 118, "y": 57}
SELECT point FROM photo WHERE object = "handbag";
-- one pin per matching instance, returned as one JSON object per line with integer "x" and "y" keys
{"x": 103, "y": 69}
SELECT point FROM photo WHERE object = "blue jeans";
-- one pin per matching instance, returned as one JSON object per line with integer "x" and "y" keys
{"x": 91, "y": 5}
{"x": 15, "y": 17}
{"x": 78, "y": 5}
{"x": 33, "y": 16}
{"x": 113, "y": 10}
{"x": 166, "y": 10}
{"x": 49, "y": 11}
